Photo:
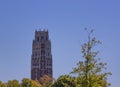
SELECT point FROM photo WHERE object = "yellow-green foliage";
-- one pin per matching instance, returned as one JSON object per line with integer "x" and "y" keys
{"x": 90, "y": 71}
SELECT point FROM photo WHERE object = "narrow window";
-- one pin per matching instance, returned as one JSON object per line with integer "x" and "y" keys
{"x": 42, "y": 37}
{"x": 37, "y": 38}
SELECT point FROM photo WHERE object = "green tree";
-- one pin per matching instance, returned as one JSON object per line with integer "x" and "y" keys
{"x": 13, "y": 83}
{"x": 30, "y": 83}
{"x": 64, "y": 81}
{"x": 2, "y": 84}
{"x": 90, "y": 71}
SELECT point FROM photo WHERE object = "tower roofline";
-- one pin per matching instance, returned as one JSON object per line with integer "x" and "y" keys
{"x": 42, "y": 30}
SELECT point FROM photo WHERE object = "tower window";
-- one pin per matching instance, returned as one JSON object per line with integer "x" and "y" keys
{"x": 35, "y": 53}
{"x": 42, "y": 52}
{"x": 42, "y": 45}
{"x": 46, "y": 38}
{"x": 42, "y": 37}
{"x": 37, "y": 38}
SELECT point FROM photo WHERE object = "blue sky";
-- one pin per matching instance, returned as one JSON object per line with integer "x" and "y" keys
{"x": 65, "y": 20}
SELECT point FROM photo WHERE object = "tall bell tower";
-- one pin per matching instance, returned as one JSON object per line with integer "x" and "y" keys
{"x": 41, "y": 59}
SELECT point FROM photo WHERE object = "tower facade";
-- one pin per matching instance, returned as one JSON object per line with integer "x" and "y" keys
{"x": 41, "y": 59}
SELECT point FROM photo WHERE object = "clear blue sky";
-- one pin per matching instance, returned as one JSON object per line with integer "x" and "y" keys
{"x": 65, "y": 20}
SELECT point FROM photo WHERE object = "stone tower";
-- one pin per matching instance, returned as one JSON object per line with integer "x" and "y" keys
{"x": 41, "y": 59}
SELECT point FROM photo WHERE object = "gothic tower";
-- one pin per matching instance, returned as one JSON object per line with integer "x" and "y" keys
{"x": 41, "y": 59}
